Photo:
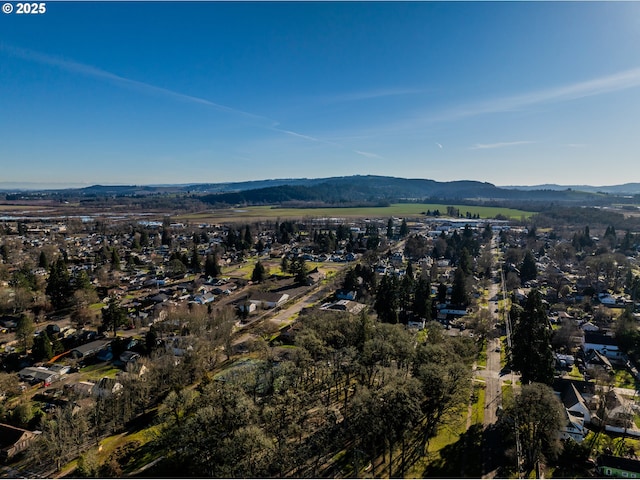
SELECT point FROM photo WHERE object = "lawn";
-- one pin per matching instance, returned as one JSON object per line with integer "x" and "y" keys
{"x": 248, "y": 214}
{"x": 455, "y": 451}
{"x": 477, "y": 412}
{"x": 575, "y": 373}
{"x": 623, "y": 379}
{"x": 481, "y": 361}
{"x": 98, "y": 371}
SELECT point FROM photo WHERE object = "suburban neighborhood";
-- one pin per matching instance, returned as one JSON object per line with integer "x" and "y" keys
{"x": 104, "y": 323}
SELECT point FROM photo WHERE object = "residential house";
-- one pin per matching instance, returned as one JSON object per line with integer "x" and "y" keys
{"x": 35, "y": 375}
{"x": 129, "y": 357}
{"x": 314, "y": 277}
{"x": 83, "y": 389}
{"x": 573, "y": 400}
{"x": 350, "y": 257}
{"x": 268, "y": 299}
{"x": 579, "y": 403}
{"x": 573, "y": 427}
{"x": 344, "y": 306}
{"x": 589, "y": 327}
{"x": 605, "y": 344}
{"x": 346, "y": 295}
{"x": 204, "y": 298}
{"x": 106, "y": 387}
{"x": 606, "y": 299}
{"x": 619, "y": 467}
{"x": 596, "y": 359}
{"x": 617, "y": 411}
{"x": 89, "y": 349}
{"x": 247, "y": 306}
{"x": 14, "y": 440}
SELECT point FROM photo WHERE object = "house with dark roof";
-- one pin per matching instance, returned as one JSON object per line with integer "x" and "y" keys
{"x": 35, "y": 375}
{"x": 605, "y": 344}
{"x": 89, "y": 349}
{"x": 14, "y": 440}
{"x": 576, "y": 410}
{"x": 597, "y": 359}
{"x": 575, "y": 403}
{"x": 573, "y": 428}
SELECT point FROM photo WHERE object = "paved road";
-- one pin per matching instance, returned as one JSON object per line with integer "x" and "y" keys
{"x": 491, "y": 375}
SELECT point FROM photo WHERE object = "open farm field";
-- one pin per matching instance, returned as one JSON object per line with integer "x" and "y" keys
{"x": 247, "y": 214}
{"x": 22, "y": 208}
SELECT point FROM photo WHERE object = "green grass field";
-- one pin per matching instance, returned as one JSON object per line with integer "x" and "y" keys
{"x": 395, "y": 210}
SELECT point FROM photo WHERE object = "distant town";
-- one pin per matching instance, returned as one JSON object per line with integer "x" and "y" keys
{"x": 176, "y": 334}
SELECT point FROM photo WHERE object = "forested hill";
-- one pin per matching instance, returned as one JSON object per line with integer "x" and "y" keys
{"x": 357, "y": 190}
{"x": 374, "y": 190}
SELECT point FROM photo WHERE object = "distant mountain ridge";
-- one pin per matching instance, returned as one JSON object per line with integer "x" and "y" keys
{"x": 349, "y": 190}
{"x": 372, "y": 189}
{"x": 623, "y": 189}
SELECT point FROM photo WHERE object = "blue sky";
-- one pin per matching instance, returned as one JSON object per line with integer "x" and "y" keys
{"x": 164, "y": 92}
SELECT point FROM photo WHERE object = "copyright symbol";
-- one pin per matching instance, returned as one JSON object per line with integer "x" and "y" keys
{"x": 7, "y": 8}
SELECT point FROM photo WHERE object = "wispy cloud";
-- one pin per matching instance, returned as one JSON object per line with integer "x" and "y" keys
{"x": 576, "y": 145}
{"x": 421, "y": 119}
{"x": 298, "y": 135}
{"x": 371, "y": 94}
{"x": 90, "y": 71}
{"x": 439, "y": 145}
{"x": 368, "y": 154}
{"x": 597, "y": 86}
{"x": 150, "y": 89}
{"x": 485, "y": 146}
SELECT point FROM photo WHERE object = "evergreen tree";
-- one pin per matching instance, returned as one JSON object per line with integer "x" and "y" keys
{"x": 248, "y": 238}
{"x": 350, "y": 280}
{"x": 43, "y": 261}
{"x": 151, "y": 339}
{"x": 284, "y": 265}
{"x": 442, "y": 292}
{"x": 166, "y": 237}
{"x": 390, "y": 228}
{"x": 42, "y": 347}
{"x": 407, "y": 287}
{"x": 113, "y": 316}
{"x": 144, "y": 239}
{"x": 487, "y": 233}
{"x": 24, "y": 331}
{"x": 528, "y": 269}
{"x": 409, "y": 271}
{"x": 465, "y": 263}
{"x": 422, "y": 299}
{"x": 299, "y": 269}
{"x": 211, "y": 267}
{"x": 387, "y": 299}
{"x": 626, "y": 243}
{"x": 81, "y": 281}
{"x": 59, "y": 284}
{"x": 459, "y": 294}
{"x": 195, "y": 260}
{"x": 404, "y": 229}
{"x": 532, "y": 354}
{"x": 259, "y": 273}
{"x": 115, "y": 259}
